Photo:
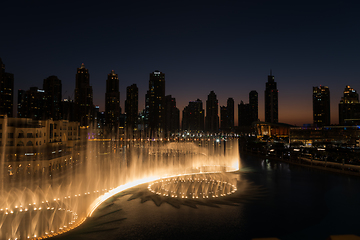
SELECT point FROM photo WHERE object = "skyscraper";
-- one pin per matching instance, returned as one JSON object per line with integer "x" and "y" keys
{"x": 193, "y": 116}
{"x": 6, "y": 91}
{"x": 83, "y": 97}
{"x": 212, "y": 113}
{"x": 131, "y": 106}
{"x": 349, "y": 106}
{"x": 321, "y": 106}
{"x": 271, "y": 100}
{"x": 172, "y": 115}
{"x": 227, "y": 116}
{"x": 248, "y": 113}
{"x": 155, "y": 100}
{"x": 53, "y": 91}
{"x": 253, "y": 101}
{"x": 32, "y": 104}
{"x": 112, "y": 103}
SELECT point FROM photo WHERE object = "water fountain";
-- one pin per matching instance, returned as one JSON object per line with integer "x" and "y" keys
{"x": 59, "y": 198}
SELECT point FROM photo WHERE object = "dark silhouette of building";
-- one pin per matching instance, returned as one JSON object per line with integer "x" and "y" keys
{"x": 32, "y": 104}
{"x": 68, "y": 110}
{"x": 172, "y": 115}
{"x": 83, "y": 97}
{"x": 212, "y": 116}
{"x": 271, "y": 100}
{"x": 6, "y": 91}
{"x": 244, "y": 115}
{"x": 223, "y": 118}
{"x": 112, "y": 103}
{"x": 349, "y": 107}
{"x": 254, "y": 103}
{"x": 155, "y": 99}
{"x": 53, "y": 91}
{"x": 321, "y": 106}
{"x": 193, "y": 116}
{"x": 248, "y": 113}
{"x": 132, "y": 106}
{"x": 227, "y": 116}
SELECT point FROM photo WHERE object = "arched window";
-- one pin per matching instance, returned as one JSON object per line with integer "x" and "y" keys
{"x": 29, "y": 143}
{"x": 20, "y": 143}
{"x": 21, "y": 134}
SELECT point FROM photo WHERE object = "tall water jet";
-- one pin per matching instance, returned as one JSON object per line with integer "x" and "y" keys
{"x": 45, "y": 201}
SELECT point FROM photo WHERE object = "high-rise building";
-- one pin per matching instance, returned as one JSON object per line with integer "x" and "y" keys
{"x": 248, "y": 113}
{"x": 271, "y": 100}
{"x": 132, "y": 106}
{"x": 172, "y": 115}
{"x": 83, "y": 97}
{"x": 112, "y": 103}
{"x": 68, "y": 110}
{"x": 53, "y": 91}
{"x": 155, "y": 100}
{"x": 244, "y": 115}
{"x": 6, "y": 91}
{"x": 321, "y": 106}
{"x": 223, "y": 118}
{"x": 32, "y": 104}
{"x": 212, "y": 113}
{"x": 193, "y": 116}
{"x": 227, "y": 116}
{"x": 253, "y": 101}
{"x": 349, "y": 107}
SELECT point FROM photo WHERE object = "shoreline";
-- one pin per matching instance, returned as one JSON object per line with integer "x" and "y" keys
{"x": 314, "y": 164}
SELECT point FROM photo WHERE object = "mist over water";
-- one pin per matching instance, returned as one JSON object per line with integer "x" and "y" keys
{"x": 39, "y": 200}
{"x": 274, "y": 200}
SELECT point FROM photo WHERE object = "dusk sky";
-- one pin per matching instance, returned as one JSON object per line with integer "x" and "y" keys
{"x": 225, "y": 46}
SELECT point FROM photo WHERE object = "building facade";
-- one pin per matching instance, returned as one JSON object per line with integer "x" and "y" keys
{"x": 212, "y": 113}
{"x": 6, "y": 91}
{"x": 112, "y": 103}
{"x": 155, "y": 100}
{"x": 321, "y": 106}
{"x": 193, "y": 116}
{"x": 53, "y": 93}
{"x": 349, "y": 107}
{"x": 132, "y": 106}
{"x": 83, "y": 97}
{"x": 271, "y": 100}
{"x": 172, "y": 116}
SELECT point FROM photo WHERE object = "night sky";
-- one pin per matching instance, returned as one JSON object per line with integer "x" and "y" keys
{"x": 225, "y": 46}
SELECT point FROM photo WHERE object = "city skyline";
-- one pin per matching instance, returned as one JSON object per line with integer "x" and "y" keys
{"x": 261, "y": 112}
{"x": 226, "y": 47}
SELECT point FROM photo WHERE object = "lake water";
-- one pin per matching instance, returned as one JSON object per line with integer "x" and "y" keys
{"x": 291, "y": 202}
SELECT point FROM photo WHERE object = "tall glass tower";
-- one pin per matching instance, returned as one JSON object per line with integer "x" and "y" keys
{"x": 271, "y": 100}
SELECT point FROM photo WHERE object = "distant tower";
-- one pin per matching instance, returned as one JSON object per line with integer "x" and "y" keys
{"x": 349, "y": 106}
{"x": 321, "y": 106}
{"x": 230, "y": 114}
{"x": 83, "y": 97}
{"x": 172, "y": 115}
{"x": 155, "y": 99}
{"x": 6, "y": 91}
{"x": 193, "y": 116}
{"x": 253, "y": 101}
{"x": 112, "y": 103}
{"x": 271, "y": 100}
{"x": 131, "y": 106}
{"x": 31, "y": 104}
{"x": 227, "y": 116}
{"x": 212, "y": 113}
{"x": 53, "y": 91}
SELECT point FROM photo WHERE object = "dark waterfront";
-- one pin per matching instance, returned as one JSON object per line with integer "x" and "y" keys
{"x": 292, "y": 202}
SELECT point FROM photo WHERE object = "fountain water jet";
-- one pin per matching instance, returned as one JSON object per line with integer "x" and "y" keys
{"x": 59, "y": 201}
